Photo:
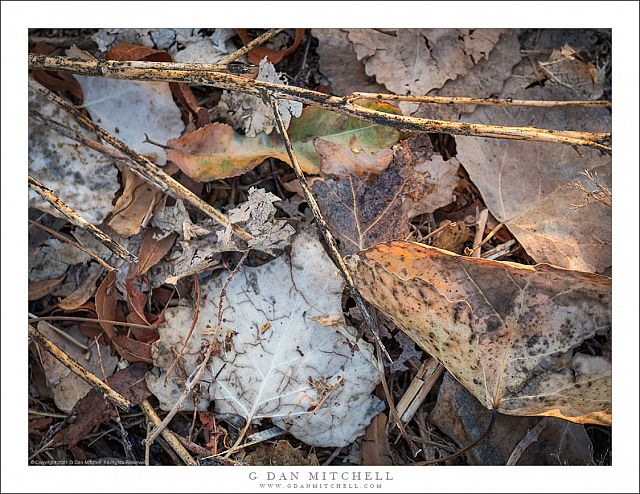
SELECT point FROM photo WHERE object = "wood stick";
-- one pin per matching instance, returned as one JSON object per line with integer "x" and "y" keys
{"x": 263, "y": 38}
{"x": 463, "y": 100}
{"x": 140, "y": 165}
{"x": 169, "y": 72}
{"x": 76, "y": 219}
{"x": 429, "y": 372}
{"x": 168, "y": 436}
{"x": 109, "y": 394}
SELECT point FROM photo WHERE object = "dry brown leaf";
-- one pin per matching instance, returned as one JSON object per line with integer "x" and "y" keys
{"x": 84, "y": 292}
{"x": 415, "y": 61}
{"x": 106, "y": 302}
{"x": 510, "y": 333}
{"x": 527, "y": 185}
{"x": 375, "y": 445}
{"x": 274, "y": 56}
{"x": 134, "y": 205}
{"x": 152, "y": 251}
{"x": 461, "y": 417}
{"x": 38, "y": 289}
{"x": 367, "y": 209}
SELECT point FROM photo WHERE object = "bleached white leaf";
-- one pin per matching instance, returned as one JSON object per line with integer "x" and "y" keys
{"x": 276, "y": 361}
{"x": 52, "y": 259}
{"x": 249, "y": 113}
{"x": 84, "y": 179}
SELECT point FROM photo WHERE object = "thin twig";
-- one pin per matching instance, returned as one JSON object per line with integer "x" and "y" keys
{"x": 463, "y": 100}
{"x": 111, "y": 395}
{"x": 194, "y": 379}
{"x": 169, "y": 72}
{"x": 168, "y": 436}
{"x": 529, "y": 438}
{"x": 76, "y": 219}
{"x": 77, "y": 245}
{"x": 34, "y": 318}
{"x": 89, "y": 319}
{"x": 481, "y": 224}
{"x": 263, "y": 38}
{"x": 324, "y": 227}
{"x": 140, "y": 165}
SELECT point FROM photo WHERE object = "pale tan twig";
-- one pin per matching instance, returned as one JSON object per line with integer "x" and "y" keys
{"x": 529, "y": 438}
{"x": 65, "y": 335}
{"x": 76, "y": 219}
{"x": 463, "y": 100}
{"x": 194, "y": 379}
{"x": 75, "y": 244}
{"x": 138, "y": 164}
{"x": 168, "y": 436}
{"x": 481, "y": 224}
{"x": 111, "y": 395}
{"x": 334, "y": 253}
{"x": 88, "y": 319}
{"x": 167, "y": 71}
{"x": 263, "y": 38}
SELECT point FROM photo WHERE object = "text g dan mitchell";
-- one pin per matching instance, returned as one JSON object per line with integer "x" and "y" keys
{"x": 320, "y": 476}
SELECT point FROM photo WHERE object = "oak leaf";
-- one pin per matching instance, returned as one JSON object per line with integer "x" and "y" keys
{"x": 510, "y": 333}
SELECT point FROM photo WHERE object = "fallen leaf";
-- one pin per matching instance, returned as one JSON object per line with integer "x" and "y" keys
{"x": 257, "y": 54}
{"x": 453, "y": 237}
{"x": 527, "y": 185}
{"x": 52, "y": 259}
{"x": 312, "y": 380}
{"x": 280, "y": 454}
{"x": 583, "y": 78}
{"x": 461, "y": 417}
{"x": 250, "y": 114}
{"x": 363, "y": 210}
{"x": 415, "y": 61}
{"x": 83, "y": 178}
{"x": 375, "y": 445}
{"x": 215, "y": 151}
{"x": 66, "y": 386}
{"x": 39, "y": 289}
{"x": 338, "y": 62}
{"x": 106, "y": 302}
{"x": 93, "y": 409}
{"x": 152, "y": 251}
{"x": 510, "y": 333}
{"x": 134, "y": 205}
{"x": 132, "y": 111}
{"x": 84, "y": 292}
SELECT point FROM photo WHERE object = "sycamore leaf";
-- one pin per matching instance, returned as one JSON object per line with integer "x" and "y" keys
{"x": 515, "y": 336}
{"x": 215, "y": 151}
{"x": 276, "y": 360}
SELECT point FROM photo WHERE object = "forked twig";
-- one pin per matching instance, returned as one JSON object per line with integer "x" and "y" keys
{"x": 76, "y": 219}
{"x": 264, "y": 37}
{"x": 171, "y": 72}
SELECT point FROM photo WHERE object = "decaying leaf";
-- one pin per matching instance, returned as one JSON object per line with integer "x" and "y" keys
{"x": 84, "y": 179}
{"x": 250, "y": 114}
{"x": 566, "y": 69}
{"x": 510, "y": 333}
{"x": 526, "y": 185}
{"x": 52, "y": 259}
{"x": 375, "y": 445}
{"x": 415, "y": 61}
{"x": 132, "y": 111}
{"x": 276, "y": 361}
{"x": 367, "y": 209}
{"x": 93, "y": 409}
{"x": 152, "y": 251}
{"x": 39, "y": 289}
{"x": 134, "y": 205}
{"x": 215, "y": 151}
{"x": 460, "y": 416}
{"x": 66, "y": 386}
{"x": 85, "y": 290}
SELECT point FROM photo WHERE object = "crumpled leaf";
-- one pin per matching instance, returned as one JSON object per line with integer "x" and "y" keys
{"x": 510, "y": 333}
{"x": 250, "y": 114}
{"x": 84, "y": 179}
{"x": 132, "y": 111}
{"x": 527, "y": 185}
{"x": 52, "y": 259}
{"x": 39, "y": 289}
{"x": 85, "y": 290}
{"x": 276, "y": 361}
{"x": 215, "y": 151}
{"x": 134, "y": 205}
{"x": 415, "y": 61}
{"x": 460, "y": 416}
{"x": 66, "y": 386}
{"x": 338, "y": 62}
{"x": 364, "y": 210}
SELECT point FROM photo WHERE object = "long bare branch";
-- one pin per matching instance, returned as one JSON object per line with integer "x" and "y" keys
{"x": 172, "y": 72}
